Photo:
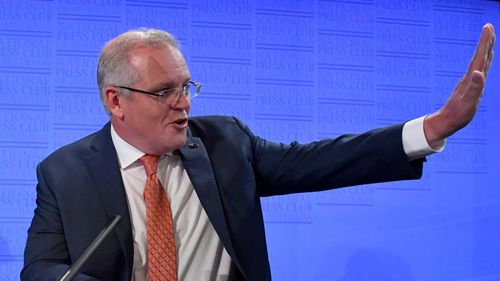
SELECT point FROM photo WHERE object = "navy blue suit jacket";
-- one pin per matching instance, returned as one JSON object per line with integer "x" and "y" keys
{"x": 80, "y": 189}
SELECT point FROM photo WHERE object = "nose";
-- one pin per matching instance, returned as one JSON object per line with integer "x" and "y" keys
{"x": 182, "y": 102}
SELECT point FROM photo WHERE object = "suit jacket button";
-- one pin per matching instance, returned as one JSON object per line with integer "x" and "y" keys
{"x": 193, "y": 145}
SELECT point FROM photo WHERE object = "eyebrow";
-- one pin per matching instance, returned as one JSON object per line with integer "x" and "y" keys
{"x": 169, "y": 85}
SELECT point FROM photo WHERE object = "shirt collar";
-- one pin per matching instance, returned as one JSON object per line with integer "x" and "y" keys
{"x": 127, "y": 154}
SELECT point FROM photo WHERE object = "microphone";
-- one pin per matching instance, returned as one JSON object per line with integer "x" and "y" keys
{"x": 82, "y": 259}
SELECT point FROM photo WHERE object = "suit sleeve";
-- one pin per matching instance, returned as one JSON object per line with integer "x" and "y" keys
{"x": 46, "y": 256}
{"x": 374, "y": 156}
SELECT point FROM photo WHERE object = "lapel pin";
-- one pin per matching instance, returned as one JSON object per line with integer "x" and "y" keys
{"x": 193, "y": 145}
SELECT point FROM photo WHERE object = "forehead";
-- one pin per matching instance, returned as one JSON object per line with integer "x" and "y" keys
{"x": 158, "y": 66}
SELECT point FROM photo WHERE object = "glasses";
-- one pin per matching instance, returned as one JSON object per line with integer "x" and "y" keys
{"x": 186, "y": 90}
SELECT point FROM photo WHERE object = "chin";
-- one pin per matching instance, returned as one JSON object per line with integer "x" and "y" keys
{"x": 180, "y": 145}
{"x": 177, "y": 143}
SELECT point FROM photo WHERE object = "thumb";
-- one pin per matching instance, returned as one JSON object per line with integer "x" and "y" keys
{"x": 478, "y": 78}
{"x": 477, "y": 81}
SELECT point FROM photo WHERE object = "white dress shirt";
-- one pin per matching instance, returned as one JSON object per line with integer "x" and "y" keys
{"x": 414, "y": 142}
{"x": 200, "y": 253}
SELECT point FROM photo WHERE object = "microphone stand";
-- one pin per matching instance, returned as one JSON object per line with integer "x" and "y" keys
{"x": 82, "y": 259}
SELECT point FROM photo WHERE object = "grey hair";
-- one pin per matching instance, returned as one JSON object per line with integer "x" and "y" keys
{"x": 114, "y": 66}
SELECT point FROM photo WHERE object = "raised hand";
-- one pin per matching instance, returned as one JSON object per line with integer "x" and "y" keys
{"x": 462, "y": 105}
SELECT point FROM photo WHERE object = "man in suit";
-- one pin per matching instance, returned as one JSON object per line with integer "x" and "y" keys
{"x": 212, "y": 170}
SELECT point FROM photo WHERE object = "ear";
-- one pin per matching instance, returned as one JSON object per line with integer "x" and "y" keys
{"x": 114, "y": 101}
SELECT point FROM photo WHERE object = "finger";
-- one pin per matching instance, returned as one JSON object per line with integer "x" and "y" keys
{"x": 488, "y": 63}
{"x": 491, "y": 54}
{"x": 493, "y": 39}
{"x": 480, "y": 56}
{"x": 492, "y": 44}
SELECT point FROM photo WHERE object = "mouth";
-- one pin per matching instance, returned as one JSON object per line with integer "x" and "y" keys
{"x": 181, "y": 122}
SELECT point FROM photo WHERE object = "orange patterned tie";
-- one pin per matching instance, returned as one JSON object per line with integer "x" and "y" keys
{"x": 162, "y": 258}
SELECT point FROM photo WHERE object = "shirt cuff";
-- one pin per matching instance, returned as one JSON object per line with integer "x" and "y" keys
{"x": 415, "y": 144}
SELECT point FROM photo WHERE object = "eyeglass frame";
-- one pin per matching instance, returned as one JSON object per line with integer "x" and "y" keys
{"x": 160, "y": 93}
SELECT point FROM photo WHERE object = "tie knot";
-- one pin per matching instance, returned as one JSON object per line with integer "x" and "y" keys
{"x": 150, "y": 163}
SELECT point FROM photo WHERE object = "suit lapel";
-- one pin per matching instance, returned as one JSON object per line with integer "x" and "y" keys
{"x": 104, "y": 169}
{"x": 197, "y": 164}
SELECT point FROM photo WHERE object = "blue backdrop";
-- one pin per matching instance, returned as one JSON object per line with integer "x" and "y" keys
{"x": 293, "y": 70}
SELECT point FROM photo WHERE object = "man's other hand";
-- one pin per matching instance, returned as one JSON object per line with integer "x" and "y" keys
{"x": 463, "y": 103}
